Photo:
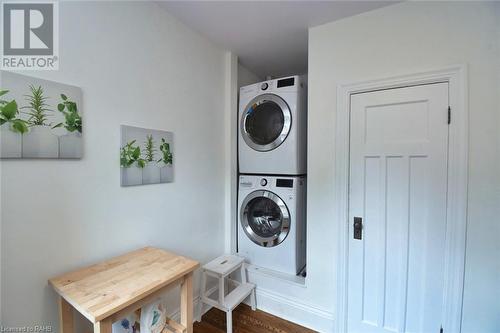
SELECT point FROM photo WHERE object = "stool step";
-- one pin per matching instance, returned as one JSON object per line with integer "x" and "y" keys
{"x": 224, "y": 265}
{"x": 235, "y": 297}
{"x": 221, "y": 268}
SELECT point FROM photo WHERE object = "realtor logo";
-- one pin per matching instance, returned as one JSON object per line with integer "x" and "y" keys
{"x": 30, "y": 36}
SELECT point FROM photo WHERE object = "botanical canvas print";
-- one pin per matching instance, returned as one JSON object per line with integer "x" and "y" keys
{"x": 146, "y": 156}
{"x": 39, "y": 118}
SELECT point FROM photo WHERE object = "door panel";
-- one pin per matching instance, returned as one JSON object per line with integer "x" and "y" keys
{"x": 398, "y": 182}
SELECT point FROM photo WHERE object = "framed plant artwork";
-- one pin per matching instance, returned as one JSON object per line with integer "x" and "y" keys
{"x": 146, "y": 156}
{"x": 39, "y": 118}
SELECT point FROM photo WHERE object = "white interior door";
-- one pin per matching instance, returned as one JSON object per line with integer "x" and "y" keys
{"x": 398, "y": 186}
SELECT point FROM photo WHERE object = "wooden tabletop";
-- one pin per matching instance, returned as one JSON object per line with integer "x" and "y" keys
{"x": 103, "y": 289}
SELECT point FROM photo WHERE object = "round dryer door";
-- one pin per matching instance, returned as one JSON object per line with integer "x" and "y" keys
{"x": 265, "y": 218}
{"x": 266, "y": 122}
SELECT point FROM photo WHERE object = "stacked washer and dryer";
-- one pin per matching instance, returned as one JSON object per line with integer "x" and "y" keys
{"x": 272, "y": 148}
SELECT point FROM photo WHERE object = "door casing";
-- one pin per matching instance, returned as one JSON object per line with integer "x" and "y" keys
{"x": 456, "y": 221}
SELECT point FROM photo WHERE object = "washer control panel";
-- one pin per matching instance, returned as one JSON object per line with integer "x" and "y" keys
{"x": 271, "y": 183}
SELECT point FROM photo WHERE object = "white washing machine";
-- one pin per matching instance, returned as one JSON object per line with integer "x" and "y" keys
{"x": 273, "y": 127}
{"x": 272, "y": 222}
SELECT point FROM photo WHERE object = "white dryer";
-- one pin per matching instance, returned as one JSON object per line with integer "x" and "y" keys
{"x": 272, "y": 222}
{"x": 273, "y": 127}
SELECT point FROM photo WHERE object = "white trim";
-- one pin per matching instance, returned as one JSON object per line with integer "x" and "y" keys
{"x": 456, "y": 220}
{"x": 294, "y": 280}
{"x": 294, "y": 310}
{"x": 230, "y": 161}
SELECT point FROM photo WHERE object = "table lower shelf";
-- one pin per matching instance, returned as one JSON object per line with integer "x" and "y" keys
{"x": 171, "y": 326}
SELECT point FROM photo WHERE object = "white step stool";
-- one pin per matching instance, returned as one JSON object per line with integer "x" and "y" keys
{"x": 220, "y": 269}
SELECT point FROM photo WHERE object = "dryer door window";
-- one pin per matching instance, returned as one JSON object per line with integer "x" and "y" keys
{"x": 265, "y": 218}
{"x": 266, "y": 122}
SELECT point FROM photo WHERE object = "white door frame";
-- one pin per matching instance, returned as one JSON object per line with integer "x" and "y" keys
{"x": 456, "y": 219}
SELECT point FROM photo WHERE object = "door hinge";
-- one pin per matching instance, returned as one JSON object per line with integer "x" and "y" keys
{"x": 449, "y": 114}
{"x": 441, "y": 330}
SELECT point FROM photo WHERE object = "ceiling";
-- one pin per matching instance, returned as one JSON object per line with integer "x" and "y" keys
{"x": 269, "y": 37}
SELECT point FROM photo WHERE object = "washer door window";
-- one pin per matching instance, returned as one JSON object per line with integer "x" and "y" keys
{"x": 265, "y": 218}
{"x": 266, "y": 122}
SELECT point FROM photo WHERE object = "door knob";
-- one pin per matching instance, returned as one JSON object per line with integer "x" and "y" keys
{"x": 358, "y": 227}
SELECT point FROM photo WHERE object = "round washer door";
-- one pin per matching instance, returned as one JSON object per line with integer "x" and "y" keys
{"x": 265, "y": 218}
{"x": 266, "y": 122}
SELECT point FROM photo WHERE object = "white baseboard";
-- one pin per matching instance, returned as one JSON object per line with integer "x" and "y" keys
{"x": 295, "y": 310}
{"x": 282, "y": 306}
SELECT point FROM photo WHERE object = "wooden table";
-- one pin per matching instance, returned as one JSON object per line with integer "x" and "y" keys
{"x": 108, "y": 291}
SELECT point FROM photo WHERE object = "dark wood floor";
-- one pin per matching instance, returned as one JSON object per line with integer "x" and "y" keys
{"x": 246, "y": 321}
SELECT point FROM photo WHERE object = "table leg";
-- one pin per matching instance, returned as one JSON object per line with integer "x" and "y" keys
{"x": 65, "y": 316}
{"x": 187, "y": 303}
{"x": 103, "y": 326}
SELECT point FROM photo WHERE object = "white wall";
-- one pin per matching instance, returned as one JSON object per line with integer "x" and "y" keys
{"x": 400, "y": 39}
{"x": 139, "y": 66}
{"x": 246, "y": 76}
